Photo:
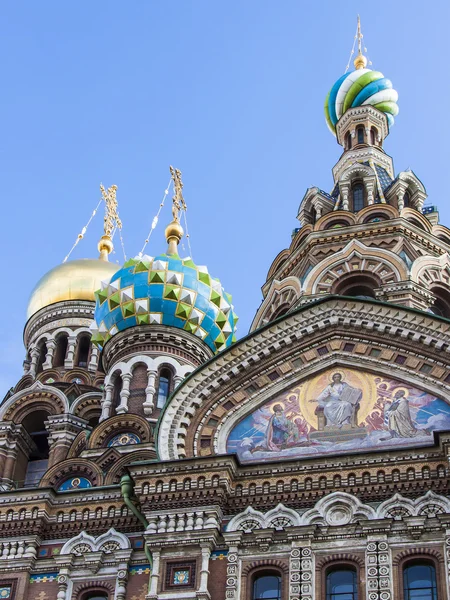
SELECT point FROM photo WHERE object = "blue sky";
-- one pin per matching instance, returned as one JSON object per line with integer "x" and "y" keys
{"x": 231, "y": 93}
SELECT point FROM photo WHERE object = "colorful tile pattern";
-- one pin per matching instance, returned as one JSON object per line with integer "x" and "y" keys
{"x": 43, "y": 577}
{"x": 124, "y": 439}
{"x": 140, "y": 570}
{"x": 219, "y": 554}
{"x": 166, "y": 290}
{"x": 181, "y": 577}
{"x": 5, "y": 591}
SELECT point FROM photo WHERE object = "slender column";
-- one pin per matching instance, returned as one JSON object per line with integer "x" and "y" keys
{"x": 71, "y": 342}
{"x": 124, "y": 394}
{"x": 370, "y": 190}
{"x": 344, "y": 189}
{"x": 150, "y": 390}
{"x": 10, "y": 463}
{"x": 34, "y": 352}
{"x": 62, "y": 587}
{"x": 51, "y": 346}
{"x": 107, "y": 401}
{"x": 154, "y": 579}
{"x": 92, "y": 366}
{"x": 121, "y": 583}
{"x": 177, "y": 380}
{"x": 204, "y": 569}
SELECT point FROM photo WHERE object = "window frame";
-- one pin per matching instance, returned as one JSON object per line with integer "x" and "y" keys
{"x": 264, "y": 571}
{"x": 414, "y": 562}
{"x": 343, "y": 564}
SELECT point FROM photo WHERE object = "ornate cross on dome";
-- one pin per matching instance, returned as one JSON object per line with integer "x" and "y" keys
{"x": 111, "y": 214}
{"x": 178, "y": 200}
{"x": 360, "y": 61}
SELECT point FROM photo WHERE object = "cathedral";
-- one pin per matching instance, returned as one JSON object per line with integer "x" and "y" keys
{"x": 146, "y": 453}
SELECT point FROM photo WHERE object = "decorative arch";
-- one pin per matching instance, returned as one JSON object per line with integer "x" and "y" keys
{"x": 416, "y": 218}
{"x": 325, "y": 561}
{"x": 80, "y": 589}
{"x": 251, "y": 519}
{"x": 414, "y": 552}
{"x": 126, "y": 422}
{"x": 71, "y": 467}
{"x": 297, "y": 241}
{"x": 36, "y": 397}
{"x": 24, "y": 383}
{"x": 119, "y": 467}
{"x": 285, "y": 292}
{"x": 280, "y": 259}
{"x": 265, "y": 564}
{"x": 364, "y": 215}
{"x": 429, "y": 270}
{"x": 107, "y": 542}
{"x": 337, "y": 216}
{"x": 356, "y": 171}
{"x": 442, "y": 233}
{"x": 126, "y": 367}
{"x": 79, "y": 444}
{"x": 337, "y": 508}
{"x": 354, "y": 258}
{"x": 398, "y": 507}
{"x": 86, "y": 404}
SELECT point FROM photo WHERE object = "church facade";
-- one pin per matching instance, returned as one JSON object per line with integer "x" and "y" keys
{"x": 148, "y": 454}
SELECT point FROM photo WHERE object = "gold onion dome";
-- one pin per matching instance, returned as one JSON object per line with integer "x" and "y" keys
{"x": 73, "y": 280}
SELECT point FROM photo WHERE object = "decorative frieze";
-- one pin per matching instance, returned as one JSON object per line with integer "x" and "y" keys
{"x": 378, "y": 570}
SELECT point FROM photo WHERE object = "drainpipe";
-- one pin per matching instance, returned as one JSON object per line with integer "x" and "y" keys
{"x": 127, "y": 489}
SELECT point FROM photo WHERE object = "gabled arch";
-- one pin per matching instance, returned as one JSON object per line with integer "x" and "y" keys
{"x": 280, "y": 259}
{"x": 297, "y": 240}
{"x": 428, "y": 270}
{"x": 390, "y": 212}
{"x": 376, "y": 261}
{"x": 36, "y": 397}
{"x": 356, "y": 170}
{"x": 86, "y": 402}
{"x": 442, "y": 233}
{"x": 285, "y": 292}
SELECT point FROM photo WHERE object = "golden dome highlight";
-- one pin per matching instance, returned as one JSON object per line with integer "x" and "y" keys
{"x": 73, "y": 280}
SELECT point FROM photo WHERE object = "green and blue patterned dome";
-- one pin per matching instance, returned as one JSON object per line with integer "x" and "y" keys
{"x": 165, "y": 290}
{"x": 359, "y": 88}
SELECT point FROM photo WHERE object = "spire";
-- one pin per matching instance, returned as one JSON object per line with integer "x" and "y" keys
{"x": 360, "y": 61}
{"x": 174, "y": 232}
{"x": 111, "y": 221}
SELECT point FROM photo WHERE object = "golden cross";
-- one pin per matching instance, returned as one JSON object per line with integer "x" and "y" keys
{"x": 178, "y": 200}
{"x": 111, "y": 214}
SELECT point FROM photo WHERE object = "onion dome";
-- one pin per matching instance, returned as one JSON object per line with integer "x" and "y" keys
{"x": 359, "y": 88}
{"x": 165, "y": 290}
{"x": 73, "y": 280}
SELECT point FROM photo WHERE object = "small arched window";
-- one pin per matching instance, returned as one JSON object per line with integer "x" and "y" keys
{"x": 348, "y": 140}
{"x": 165, "y": 377}
{"x": 42, "y": 356}
{"x": 95, "y": 596}
{"x": 61, "y": 350}
{"x": 83, "y": 350}
{"x": 313, "y": 215}
{"x": 341, "y": 584}
{"x": 373, "y": 136}
{"x": 267, "y": 585}
{"x": 419, "y": 581}
{"x": 360, "y": 135}
{"x": 406, "y": 199}
{"x": 358, "y": 197}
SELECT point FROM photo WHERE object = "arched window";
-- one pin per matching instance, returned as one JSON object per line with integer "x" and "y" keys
{"x": 313, "y": 215}
{"x": 441, "y": 304}
{"x": 348, "y": 140}
{"x": 406, "y": 199}
{"x": 95, "y": 595}
{"x": 267, "y": 585}
{"x": 83, "y": 350}
{"x": 373, "y": 136}
{"x": 358, "y": 197}
{"x": 29, "y": 474}
{"x": 118, "y": 383}
{"x": 165, "y": 377}
{"x": 360, "y": 135}
{"x": 61, "y": 350}
{"x": 341, "y": 584}
{"x": 419, "y": 581}
{"x": 357, "y": 286}
{"x": 42, "y": 354}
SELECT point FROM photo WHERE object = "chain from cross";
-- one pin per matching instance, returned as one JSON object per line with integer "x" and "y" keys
{"x": 178, "y": 200}
{"x": 111, "y": 214}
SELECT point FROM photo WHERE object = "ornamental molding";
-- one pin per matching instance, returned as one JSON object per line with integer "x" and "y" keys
{"x": 338, "y": 508}
{"x": 73, "y": 313}
{"x": 36, "y": 391}
{"x": 280, "y": 292}
{"x": 398, "y": 507}
{"x": 365, "y": 154}
{"x": 278, "y": 518}
{"x": 108, "y": 542}
{"x": 233, "y": 370}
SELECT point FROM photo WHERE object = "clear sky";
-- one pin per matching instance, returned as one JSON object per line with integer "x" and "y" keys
{"x": 230, "y": 92}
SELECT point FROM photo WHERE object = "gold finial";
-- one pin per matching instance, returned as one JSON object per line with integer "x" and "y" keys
{"x": 174, "y": 231}
{"x": 360, "y": 61}
{"x": 105, "y": 245}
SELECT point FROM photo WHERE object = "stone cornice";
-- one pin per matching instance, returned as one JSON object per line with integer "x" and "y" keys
{"x": 68, "y": 313}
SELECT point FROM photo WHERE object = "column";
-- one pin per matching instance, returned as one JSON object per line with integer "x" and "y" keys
{"x": 154, "y": 577}
{"x": 378, "y": 569}
{"x": 370, "y": 189}
{"x": 447, "y": 562}
{"x": 71, "y": 342}
{"x": 51, "y": 346}
{"x": 204, "y": 572}
{"x": 150, "y": 390}
{"x": 121, "y": 583}
{"x": 63, "y": 429}
{"x": 93, "y": 362}
{"x": 34, "y": 352}
{"x": 344, "y": 189}
{"x": 177, "y": 380}
{"x": 124, "y": 394}
{"x": 107, "y": 401}
{"x": 62, "y": 587}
